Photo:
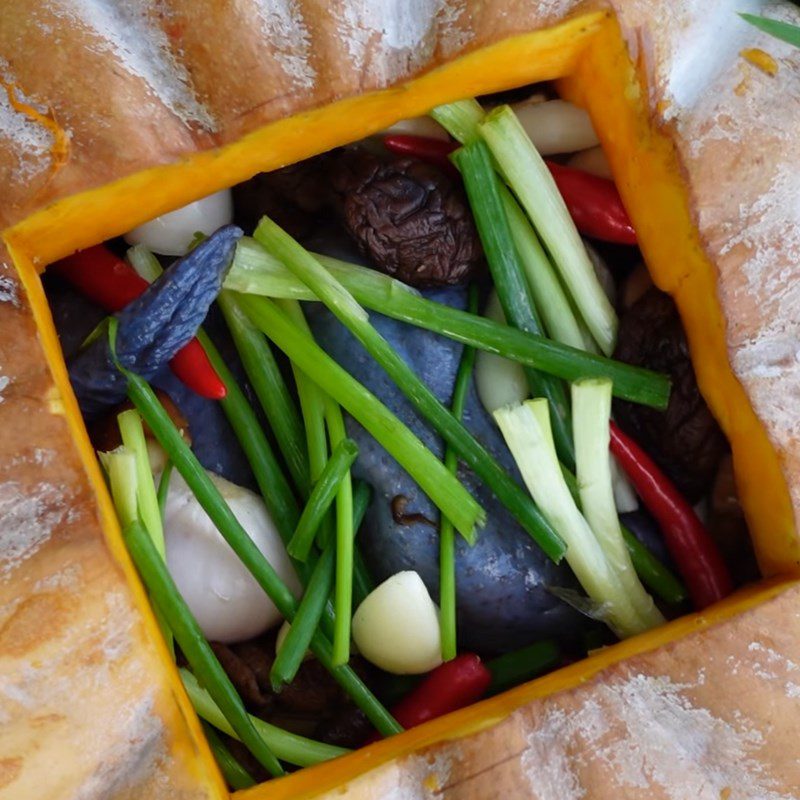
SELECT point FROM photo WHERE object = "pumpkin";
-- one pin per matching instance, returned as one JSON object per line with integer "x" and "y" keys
{"x": 112, "y": 113}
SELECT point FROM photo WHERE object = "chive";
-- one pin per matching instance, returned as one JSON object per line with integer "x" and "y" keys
{"x": 345, "y": 534}
{"x": 519, "y": 666}
{"x": 362, "y": 580}
{"x": 163, "y": 488}
{"x": 320, "y": 499}
{"x": 591, "y": 403}
{"x": 193, "y": 645}
{"x": 426, "y": 403}
{"x": 289, "y": 747}
{"x": 447, "y": 555}
{"x": 145, "y": 262}
{"x": 306, "y": 620}
{"x": 256, "y": 272}
{"x": 274, "y": 488}
{"x": 132, "y": 432}
{"x": 530, "y": 179}
{"x": 526, "y": 430}
{"x": 312, "y": 605}
{"x": 447, "y": 493}
{"x": 483, "y": 191}
{"x": 270, "y": 388}
{"x": 460, "y": 119}
{"x": 226, "y": 523}
{"x": 236, "y": 776}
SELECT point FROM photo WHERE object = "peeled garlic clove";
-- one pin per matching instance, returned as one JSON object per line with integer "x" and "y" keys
{"x": 224, "y": 597}
{"x": 396, "y": 627}
{"x": 593, "y": 161}
{"x": 499, "y": 381}
{"x": 556, "y": 126}
{"x": 418, "y": 126}
{"x": 171, "y": 234}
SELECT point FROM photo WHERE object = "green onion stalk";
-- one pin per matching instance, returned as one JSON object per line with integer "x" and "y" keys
{"x": 483, "y": 191}
{"x": 447, "y": 563}
{"x": 122, "y": 472}
{"x": 257, "y": 272}
{"x": 352, "y": 316}
{"x": 236, "y": 776}
{"x": 232, "y": 531}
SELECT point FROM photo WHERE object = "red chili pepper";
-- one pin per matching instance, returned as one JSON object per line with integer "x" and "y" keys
{"x": 431, "y": 151}
{"x": 690, "y": 544}
{"x": 112, "y": 283}
{"x": 593, "y": 202}
{"x": 453, "y": 685}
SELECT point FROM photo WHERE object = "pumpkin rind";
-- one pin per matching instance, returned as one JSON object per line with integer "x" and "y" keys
{"x": 90, "y": 128}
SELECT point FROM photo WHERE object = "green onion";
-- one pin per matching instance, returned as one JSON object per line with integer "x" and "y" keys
{"x": 549, "y": 297}
{"x": 320, "y": 499}
{"x": 236, "y": 776}
{"x": 526, "y": 429}
{"x": 305, "y": 622}
{"x": 226, "y": 523}
{"x": 460, "y": 119}
{"x": 483, "y": 191}
{"x": 270, "y": 388}
{"x": 446, "y": 492}
{"x": 123, "y": 475}
{"x": 144, "y": 262}
{"x": 272, "y": 483}
{"x": 195, "y": 648}
{"x": 521, "y": 665}
{"x": 256, "y": 272}
{"x": 653, "y": 573}
{"x": 591, "y": 402}
{"x": 132, "y": 432}
{"x": 312, "y": 605}
{"x": 345, "y": 535}
{"x": 362, "y": 580}
{"x": 447, "y": 553}
{"x": 289, "y": 747}
{"x": 163, "y": 488}
{"x": 312, "y": 400}
{"x": 468, "y": 449}
{"x": 530, "y": 179}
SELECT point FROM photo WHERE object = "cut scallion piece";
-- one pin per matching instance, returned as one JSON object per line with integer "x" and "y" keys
{"x": 460, "y": 119}
{"x": 234, "y": 773}
{"x": 483, "y": 192}
{"x": 530, "y": 179}
{"x": 193, "y": 645}
{"x": 526, "y": 430}
{"x": 447, "y": 545}
{"x": 272, "y": 483}
{"x": 163, "y": 487}
{"x": 270, "y": 388}
{"x": 256, "y": 272}
{"x": 591, "y": 402}
{"x": 443, "y": 489}
{"x": 477, "y": 458}
{"x": 289, "y": 747}
{"x": 519, "y": 666}
{"x": 232, "y": 531}
{"x": 321, "y": 498}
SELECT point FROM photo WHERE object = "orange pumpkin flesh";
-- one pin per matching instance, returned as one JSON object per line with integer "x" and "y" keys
{"x": 588, "y": 53}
